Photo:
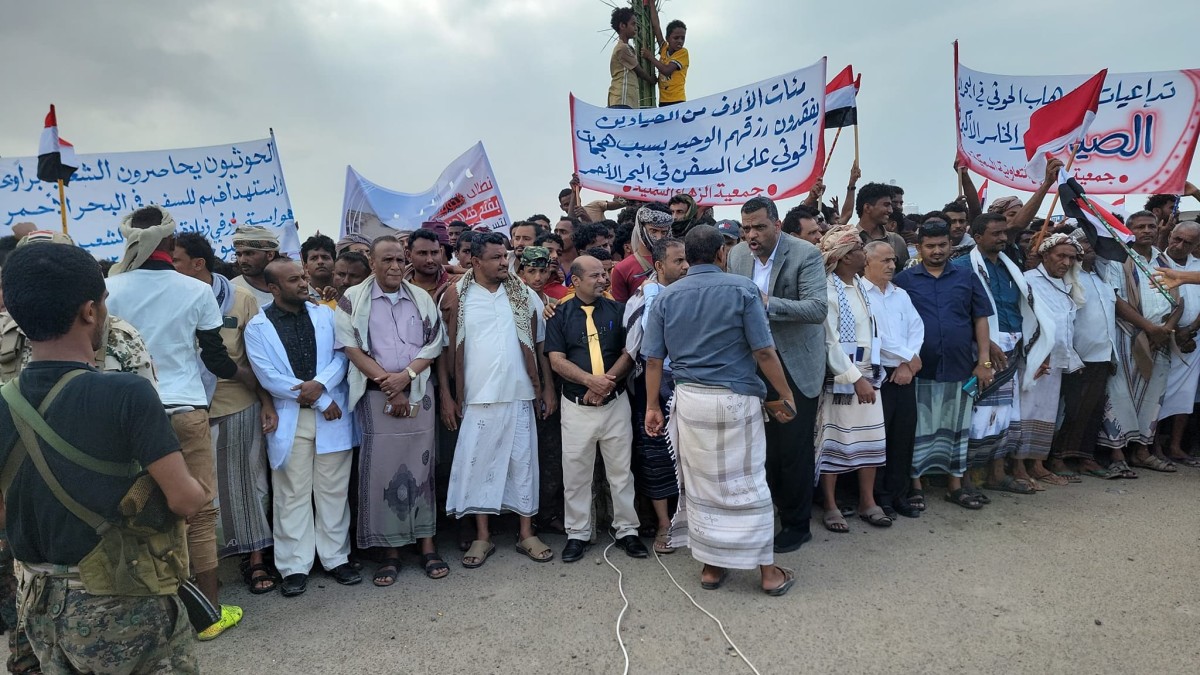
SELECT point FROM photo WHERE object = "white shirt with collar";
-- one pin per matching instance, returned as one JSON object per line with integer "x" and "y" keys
{"x": 901, "y": 331}
{"x": 1095, "y": 333}
{"x": 762, "y": 270}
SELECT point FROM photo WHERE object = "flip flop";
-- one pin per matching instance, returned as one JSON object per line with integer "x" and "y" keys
{"x": 480, "y": 550}
{"x": 714, "y": 585}
{"x": 1050, "y": 478}
{"x": 1190, "y": 462}
{"x": 789, "y": 579}
{"x": 1106, "y": 474}
{"x": 534, "y": 549}
{"x": 662, "y": 543}
{"x": 1010, "y": 484}
{"x": 1071, "y": 476}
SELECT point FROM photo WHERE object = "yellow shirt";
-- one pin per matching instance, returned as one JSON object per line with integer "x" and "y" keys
{"x": 231, "y": 396}
{"x": 671, "y": 87}
{"x": 624, "y": 87}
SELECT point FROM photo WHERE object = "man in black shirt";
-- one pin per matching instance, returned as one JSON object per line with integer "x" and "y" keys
{"x": 56, "y": 294}
{"x": 290, "y": 345}
{"x": 585, "y": 341}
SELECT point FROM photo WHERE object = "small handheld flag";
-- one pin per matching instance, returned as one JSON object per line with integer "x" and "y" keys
{"x": 1061, "y": 123}
{"x": 841, "y": 106}
{"x": 56, "y": 157}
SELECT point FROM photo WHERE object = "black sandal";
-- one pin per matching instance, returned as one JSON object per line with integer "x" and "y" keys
{"x": 916, "y": 499}
{"x": 432, "y": 562}
{"x": 382, "y": 572}
{"x": 964, "y": 499}
{"x": 979, "y": 495}
{"x": 254, "y": 584}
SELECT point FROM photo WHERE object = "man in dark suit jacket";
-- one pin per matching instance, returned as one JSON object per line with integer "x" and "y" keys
{"x": 790, "y": 273}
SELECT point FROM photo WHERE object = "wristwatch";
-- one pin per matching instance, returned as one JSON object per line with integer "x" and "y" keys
{"x": 412, "y": 374}
{"x": 986, "y": 364}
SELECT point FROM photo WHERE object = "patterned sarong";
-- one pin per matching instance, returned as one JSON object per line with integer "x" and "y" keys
{"x": 243, "y": 493}
{"x": 725, "y": 513}
{"x": 996, "y": 416}
{"x": 1039, "y": 416}
{"x": 943, "y": 425}
{"x": 396, "y": 464}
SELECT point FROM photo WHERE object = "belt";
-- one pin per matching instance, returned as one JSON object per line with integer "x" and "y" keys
{"x": 578, "y": 400}
{"x": 27, "y": 572}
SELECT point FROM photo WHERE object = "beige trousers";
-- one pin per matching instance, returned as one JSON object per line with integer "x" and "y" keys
{"x": 195, "y": 439}
{"x": 305, "y": 479}
{"x": 583, "y": 427}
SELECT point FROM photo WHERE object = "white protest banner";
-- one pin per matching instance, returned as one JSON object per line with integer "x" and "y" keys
{"x": 209, "y": 190}
{"x": 467, "y": 191}
{"x": 1141, "y": 141}
{"x": 761, "y": 139}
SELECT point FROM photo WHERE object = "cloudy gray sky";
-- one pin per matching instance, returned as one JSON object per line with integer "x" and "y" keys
{"x": 398, "y": 88}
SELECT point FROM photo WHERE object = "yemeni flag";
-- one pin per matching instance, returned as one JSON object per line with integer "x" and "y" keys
{"x": 1106, "y": 233}
{"x": 983, "y": 190}
{"x": 841, "y": 109}
{"x": 1061, "y": 123}
{"x": 56, "y": 157}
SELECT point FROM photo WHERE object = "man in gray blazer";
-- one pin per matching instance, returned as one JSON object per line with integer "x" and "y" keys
{"x": 790, "y": 273}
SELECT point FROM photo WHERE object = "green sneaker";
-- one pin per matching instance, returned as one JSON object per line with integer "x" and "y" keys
{"x": 230, "y": 616}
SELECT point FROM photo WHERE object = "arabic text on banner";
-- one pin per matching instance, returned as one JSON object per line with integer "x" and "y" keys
{"x": 1141, "y": 142}
{"x": 211, "y": 190}
{"x": 761, "y": 139}
{"x": 467, "y": 190}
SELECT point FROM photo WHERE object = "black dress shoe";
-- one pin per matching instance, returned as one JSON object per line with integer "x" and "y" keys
{"x": 634, "y": 548}
{"x": 345, "y": 574}
{"x": 790, "y": 539}
{"x": 293, "y": 585}
{"x": 574, "y": 550}
{"x": 905, "y": 509}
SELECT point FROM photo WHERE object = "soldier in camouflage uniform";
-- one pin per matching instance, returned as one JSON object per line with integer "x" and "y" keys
{"x": 122, "y": 351}
{"x": 71, "y": 610}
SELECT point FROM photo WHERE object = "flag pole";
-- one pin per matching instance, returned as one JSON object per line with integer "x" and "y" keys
{"x": 1037, "y": 241}
{"x": 829, "y": 157}
{"x": 62, "y": 205}
{"x": 856, "y": 162}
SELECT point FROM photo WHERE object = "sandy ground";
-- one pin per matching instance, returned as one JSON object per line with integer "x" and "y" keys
{"x": 1098, "y": 577}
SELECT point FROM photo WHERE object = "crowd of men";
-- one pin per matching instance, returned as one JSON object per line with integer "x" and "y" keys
{"x": 663, "y": 376}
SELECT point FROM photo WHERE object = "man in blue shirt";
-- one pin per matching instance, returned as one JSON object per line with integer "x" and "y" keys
{"x": 713, "y": 326}
{"x": 996, "y": 418}
{"x": 954, "y": 308}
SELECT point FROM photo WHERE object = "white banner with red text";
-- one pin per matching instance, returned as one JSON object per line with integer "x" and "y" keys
{"x": 466, "y": 190}
{"x": 1141, "y": 141}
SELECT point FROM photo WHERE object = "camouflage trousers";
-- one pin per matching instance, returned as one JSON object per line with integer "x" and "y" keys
{"x": 73, "y": 631}
{"x": 20, "y": 653}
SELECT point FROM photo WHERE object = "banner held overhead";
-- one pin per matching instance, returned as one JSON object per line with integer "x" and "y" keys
{"x": 210, "y": 190}
{"x": 466, "y": 190}
{"x": 761, "y": 139}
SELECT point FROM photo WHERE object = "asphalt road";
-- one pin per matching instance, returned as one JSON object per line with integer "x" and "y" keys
{"x": 1098, "y": 577}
